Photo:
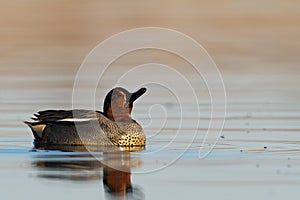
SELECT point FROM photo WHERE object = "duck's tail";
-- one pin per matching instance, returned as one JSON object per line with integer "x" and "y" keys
{"x": 37, "y": 129}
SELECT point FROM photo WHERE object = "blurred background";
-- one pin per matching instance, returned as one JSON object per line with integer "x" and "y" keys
{"x": 255, "y": 44}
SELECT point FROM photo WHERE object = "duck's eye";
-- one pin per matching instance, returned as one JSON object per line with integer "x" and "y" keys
{"x": 119, "y": 96}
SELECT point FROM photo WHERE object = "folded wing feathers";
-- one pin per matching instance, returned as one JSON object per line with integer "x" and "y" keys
{"x": 65, "y": 115}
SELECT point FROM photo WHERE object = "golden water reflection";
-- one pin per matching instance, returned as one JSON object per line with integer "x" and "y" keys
{"x": 111, "y": 166}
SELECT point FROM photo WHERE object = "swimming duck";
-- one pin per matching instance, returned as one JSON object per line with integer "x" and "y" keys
{"x": 114, "y": 126}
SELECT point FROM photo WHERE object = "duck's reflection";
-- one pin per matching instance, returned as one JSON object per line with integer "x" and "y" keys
{"x": 78, "y": 164}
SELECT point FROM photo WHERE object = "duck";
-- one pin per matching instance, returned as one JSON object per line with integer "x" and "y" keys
{"x": 112, "y": 127}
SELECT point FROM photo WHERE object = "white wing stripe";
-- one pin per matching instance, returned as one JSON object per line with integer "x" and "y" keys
{"x": 76, "y": 119}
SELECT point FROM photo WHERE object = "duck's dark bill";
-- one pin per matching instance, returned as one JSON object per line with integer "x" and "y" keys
{"x": 134, "y": 96}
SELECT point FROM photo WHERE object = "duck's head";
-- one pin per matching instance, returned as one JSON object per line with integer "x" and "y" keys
{"x": 118, "y": 103}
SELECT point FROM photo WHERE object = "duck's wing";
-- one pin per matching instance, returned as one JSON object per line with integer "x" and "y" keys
{"x": 65, "y": 115}
{"x": 66, "y": 119}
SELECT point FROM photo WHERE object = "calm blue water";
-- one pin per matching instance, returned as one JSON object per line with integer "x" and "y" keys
{"x": 239, "y": 165}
